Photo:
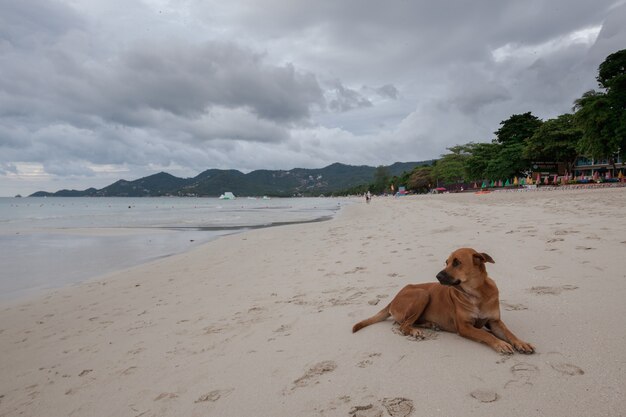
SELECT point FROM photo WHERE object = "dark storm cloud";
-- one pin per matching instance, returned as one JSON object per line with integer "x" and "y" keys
{"x": 388, "y": 91}
{"x": 29, "y": 21}
{"x": 186, "y": 80}
{"x": 346, "y": 99}
{"x": 391, "y": 36}
{"x": 180, "y": 78}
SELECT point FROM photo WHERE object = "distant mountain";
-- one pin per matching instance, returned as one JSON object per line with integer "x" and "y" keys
{"x": 213, "y": 182}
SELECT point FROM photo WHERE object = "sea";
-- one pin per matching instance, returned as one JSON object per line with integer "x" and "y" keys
{"x": 53, "y": 242}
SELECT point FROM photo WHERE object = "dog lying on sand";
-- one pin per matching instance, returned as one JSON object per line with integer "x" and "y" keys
{"x": 464, "y": 301}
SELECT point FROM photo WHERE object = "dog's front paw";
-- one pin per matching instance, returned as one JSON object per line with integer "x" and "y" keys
{"x": 503, "y": 347}
{"x": 523, "y": 347}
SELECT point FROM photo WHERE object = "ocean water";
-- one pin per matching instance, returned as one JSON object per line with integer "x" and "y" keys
{"x": 52, "y": 242}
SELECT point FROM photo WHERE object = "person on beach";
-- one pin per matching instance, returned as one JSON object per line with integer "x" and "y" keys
{"x": 368, "y": 196}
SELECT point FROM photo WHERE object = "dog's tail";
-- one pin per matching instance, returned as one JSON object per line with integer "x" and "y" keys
{"x": 382, "y": 315}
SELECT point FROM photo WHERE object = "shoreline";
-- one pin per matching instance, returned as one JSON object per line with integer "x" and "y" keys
{"x": 53, "y": 253}
{"x": 258, "y": 323}
{"x": 87, "y": 273}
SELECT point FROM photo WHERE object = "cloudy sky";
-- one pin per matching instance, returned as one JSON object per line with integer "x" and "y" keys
{"x": 97, "y": 90}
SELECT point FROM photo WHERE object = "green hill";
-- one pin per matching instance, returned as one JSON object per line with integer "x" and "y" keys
{"x": 213, "y": 182}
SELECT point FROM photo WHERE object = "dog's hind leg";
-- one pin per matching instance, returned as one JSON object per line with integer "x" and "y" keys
{"x": 408, "y": 308}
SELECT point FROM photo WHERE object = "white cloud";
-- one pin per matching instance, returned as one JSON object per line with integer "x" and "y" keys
{"x": 516, "y": 51}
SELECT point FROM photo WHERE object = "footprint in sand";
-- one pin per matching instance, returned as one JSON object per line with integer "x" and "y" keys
{"x": 551, "y": 290}
{"x": 368, "y": 410}
{"x": 565, "y": 232}
{"x": 524, "y": 374}
{"x": 355, "y": 270}
{"x": 376, "y": 300}
{"x": 398, "y": 407}
{"x": 128, "y": 371}
{"x": 567, "y": 369}
{"x": 214, "y": 395}
{"x": 558, "y": 239}
{"x": 542, "y": 267}
{"x": 166, "y": 395}
{"x": 368, "y": 361}
{"x": 313, "y": 374}
{"x": 512, "y": 307}
{"x": 584, "y": 248}
{"x": 284, "y": 329}
{"x": 484, "y": 396}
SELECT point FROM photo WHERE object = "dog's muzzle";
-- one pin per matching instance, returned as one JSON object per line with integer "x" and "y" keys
{"x": 445, "y": 279}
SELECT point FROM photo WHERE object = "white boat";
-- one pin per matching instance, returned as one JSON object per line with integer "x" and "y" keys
{"x": 227, "y": 196}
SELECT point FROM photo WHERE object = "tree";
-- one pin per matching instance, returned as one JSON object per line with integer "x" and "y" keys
{"x": 507, "y": 162}
{"x": 612, "y": 70}
{"x": 480, "y": 156}
{"x": 451, "y": 167}
{"x": 602, "y": 115}
{"x": 555, "y": 140}
{"x": 381, "y": 179}
{"x": 517, "y": 128}
{"x": 420, "y": 179}
{"x": 507, "y": 158}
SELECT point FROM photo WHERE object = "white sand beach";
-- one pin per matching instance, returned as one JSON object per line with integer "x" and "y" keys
{"x": 259, "y": 323}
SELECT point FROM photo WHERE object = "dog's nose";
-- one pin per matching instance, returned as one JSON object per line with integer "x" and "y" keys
{"x": 442, "y": 276}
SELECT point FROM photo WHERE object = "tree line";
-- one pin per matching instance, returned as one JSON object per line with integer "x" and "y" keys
{"x": 595, "y": 128}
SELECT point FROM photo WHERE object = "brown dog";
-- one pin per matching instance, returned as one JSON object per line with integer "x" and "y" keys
{"x": 467, "y": 303}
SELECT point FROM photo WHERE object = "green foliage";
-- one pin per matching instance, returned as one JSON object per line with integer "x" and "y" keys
{"x": 612, "y": 69}
{"x": 451, "y": 167}
{"x": 508, "y": 162}
{"x": 480, "y": 156}
{"x": 517, "y": 128}
{"x": 420, "y": 180}
{"x": 602, "y": 115}
{"x": 382, "y": 179}
{"x": 555, "y": 141}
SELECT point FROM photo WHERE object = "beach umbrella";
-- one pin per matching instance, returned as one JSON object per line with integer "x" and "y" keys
{"x": 499, "y": 183}
{"x": 529, "y": 180}
{"x": 620, "y": 175}
{"x": 475, "y": 185}
{"x": 556, "y": 179}
{"x": 507, "y": 183}
{"x": 595, "y": 176}
{"x": 492, "y": 184}
{"x": 515, "y": 181}
{"x": 484, "y": 185}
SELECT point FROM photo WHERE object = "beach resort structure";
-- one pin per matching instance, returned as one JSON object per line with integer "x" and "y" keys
{"x": 605, "y": 167}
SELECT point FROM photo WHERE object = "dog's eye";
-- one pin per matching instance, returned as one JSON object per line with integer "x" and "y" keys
{"x": 456, "y": 263}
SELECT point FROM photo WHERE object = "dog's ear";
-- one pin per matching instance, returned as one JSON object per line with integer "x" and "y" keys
{"x": 482, "y": 258}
